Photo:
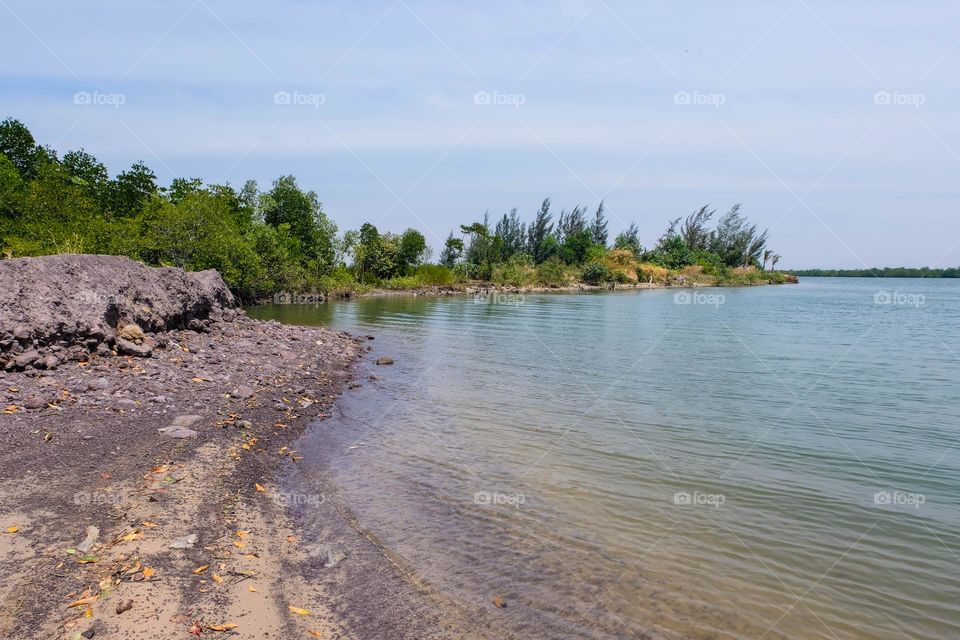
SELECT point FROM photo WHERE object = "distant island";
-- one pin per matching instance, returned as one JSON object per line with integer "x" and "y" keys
{"x": 264, "y": 242}
{"x": 885, "y": 272}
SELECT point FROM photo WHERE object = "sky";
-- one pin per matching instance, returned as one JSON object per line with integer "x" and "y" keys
{"x": 833, "y": 123}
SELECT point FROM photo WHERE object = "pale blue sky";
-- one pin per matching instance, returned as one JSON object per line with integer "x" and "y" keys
{"x": 657, "y": 107}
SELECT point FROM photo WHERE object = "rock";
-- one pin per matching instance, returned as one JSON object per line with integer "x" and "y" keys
{"x": 288, "y": 356}
{"x": 93, "y": 535}
{"x": 243, "y": 392}
{"x": 131, "y": 332}
{"x": 186, "y": 421}
{"x": 34, "y": 402}
{"x": 103, "y": 350}
{"x": 178, "y": 432}
{"x": 184, "y": 542}
{"x": 245, "y": 424}
{"x": 384, "y": 360}
{"x": 128, "y": 348}
{"x": 89, "y": 633}
{"x": 51, "y": 362}
{"x": 124, "y": 605}
{"x": 75, "y": 297}
{"x": 27, "y": 358}
{"x": 373, "y": 377}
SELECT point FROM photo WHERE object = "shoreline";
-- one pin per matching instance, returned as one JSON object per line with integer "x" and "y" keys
{"x": 475, "y": 288}
{"x": 87, "y": 454}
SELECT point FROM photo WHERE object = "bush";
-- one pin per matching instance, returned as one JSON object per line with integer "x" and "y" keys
{"x": 647, "y": 272}
{"x": 517, "y": 271}
{"x": 595, "y": 273}
{"x": 552, "y": 273}
{"x": 435, "y": 275}
{"x": 622, "y": 277}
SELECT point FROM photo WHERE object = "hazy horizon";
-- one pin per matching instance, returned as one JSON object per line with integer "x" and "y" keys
{"x": 832, "y": 125}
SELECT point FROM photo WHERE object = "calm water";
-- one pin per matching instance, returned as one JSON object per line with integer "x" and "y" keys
{"x": 615, "y": 465}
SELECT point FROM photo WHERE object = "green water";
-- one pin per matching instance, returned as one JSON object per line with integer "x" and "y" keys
{"x": 621, "y": 464}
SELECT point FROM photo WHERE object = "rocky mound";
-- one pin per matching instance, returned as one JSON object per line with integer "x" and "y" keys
{"x": 62, "y": 307}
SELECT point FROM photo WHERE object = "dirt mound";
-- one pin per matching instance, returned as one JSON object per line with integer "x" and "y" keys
{"x": 58, "y": 308}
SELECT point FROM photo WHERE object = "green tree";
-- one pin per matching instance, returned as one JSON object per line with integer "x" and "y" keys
{"x": 598, "y": 229}
{"x": 629, "y": 239}
{"x": 452, "y": 251}
{"x": 17, "y": 143}
{"x": 538, "y": 245}
{"x": 130, "y": 190}
{"x": 287, "y": 204}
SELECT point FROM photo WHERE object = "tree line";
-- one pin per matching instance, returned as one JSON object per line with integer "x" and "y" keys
{"x": 885, "y": 272}
{"x": 280, "y": 238}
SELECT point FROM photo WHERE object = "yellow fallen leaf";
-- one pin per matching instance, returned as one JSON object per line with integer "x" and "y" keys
{"x": 133, "y": 535}
{"x": 299, "y": 611}
{"x": 251, "y": 588}
{"x": 13, "y": 529}
{"x": 200, "y": 570}
{"x": 149, "y": 524}
{"x": 314, "y": 633}
{"x": 242, "y": 534}
{"x": 222, "y": 627}
{"x": 259, "y": 487}
{"x": 83, "y": 602}
{"x": 217, "y": 579}
{"x": 148, "y": 572}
